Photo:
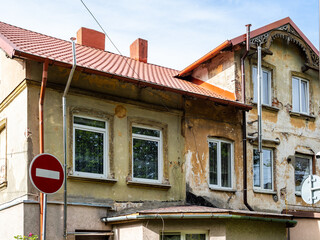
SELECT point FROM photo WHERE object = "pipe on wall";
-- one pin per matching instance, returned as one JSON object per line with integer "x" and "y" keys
{"x": 41, "y": 134}
{"x": 244, "y": 122}
{"x": 64, "y": 112}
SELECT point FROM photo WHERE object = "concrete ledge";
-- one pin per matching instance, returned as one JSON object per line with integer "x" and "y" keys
{"x": 149, "y": 185}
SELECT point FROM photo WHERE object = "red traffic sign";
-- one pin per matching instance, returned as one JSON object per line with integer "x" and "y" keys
{"x": 46, "y": 173}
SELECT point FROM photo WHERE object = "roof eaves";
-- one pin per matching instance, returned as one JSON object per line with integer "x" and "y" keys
{"x": 7, "y": 46}
{"x": 140, "y": 82}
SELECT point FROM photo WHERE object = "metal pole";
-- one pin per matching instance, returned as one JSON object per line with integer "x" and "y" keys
{"x": 44, "y": 219}
{"x": 64, "y": 113}
{"x": 259, "y": 104}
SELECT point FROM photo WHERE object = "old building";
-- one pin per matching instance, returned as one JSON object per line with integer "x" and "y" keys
{"x": 290, "y": 126}
{"x": 151, "y": 152}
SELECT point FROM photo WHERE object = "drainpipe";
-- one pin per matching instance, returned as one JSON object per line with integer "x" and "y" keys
{"x": 41, "y": 137}
{"x": 64, "y": 111}
{"x": 244, "y": 122}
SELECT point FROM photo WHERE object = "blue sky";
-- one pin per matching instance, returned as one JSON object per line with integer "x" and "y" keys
{"x": 178, "y": 31}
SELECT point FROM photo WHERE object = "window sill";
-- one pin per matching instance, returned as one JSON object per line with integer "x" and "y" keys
{"x": 268, "y": 107}
{"x": 302, "y": 115}
{"x": 264, "y": 191}
{"x": 222, "y": 189}
{"x": 148, "y": 184}
{"x": 298, "y": 194}
{"x": 87, "y": 179}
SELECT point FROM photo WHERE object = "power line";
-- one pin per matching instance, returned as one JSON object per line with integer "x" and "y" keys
{"x": 161, "y": 98}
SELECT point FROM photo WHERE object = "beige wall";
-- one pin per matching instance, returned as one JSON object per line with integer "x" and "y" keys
{"x": 12, "y": 222}
{"x": 120, "y": 112}
{"x": 15, "y": 114}
{"x": 306, "y": 229}
{"x": 204, "y": 120}
{"x": 215, "y": 229}
{"x": 296, "y": 133}
{"x": 12, "y": 73}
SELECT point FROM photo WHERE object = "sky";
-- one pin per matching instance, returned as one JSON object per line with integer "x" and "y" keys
{"x": 178, "y": 31}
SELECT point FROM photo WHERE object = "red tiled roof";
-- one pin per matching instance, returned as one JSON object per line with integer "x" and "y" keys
{"x": 24, "y": 43}
{"x": 242, "y": 38}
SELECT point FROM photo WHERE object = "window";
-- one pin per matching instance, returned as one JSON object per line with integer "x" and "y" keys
{"x": 90, "y": 148}
{"x": 265, "y": 86}
{"x": 262, "y": 169}
{"x": 220, "y": 163}
{"x": 300, "y": 95}
{"x": 3, "y": 153}
{"x": 146, "y": 154}
{"x": 303, "y": 168}
{"x": 183, "y": 236}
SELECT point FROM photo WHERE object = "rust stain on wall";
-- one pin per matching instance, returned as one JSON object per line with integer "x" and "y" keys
{"x": 120, "y": 111}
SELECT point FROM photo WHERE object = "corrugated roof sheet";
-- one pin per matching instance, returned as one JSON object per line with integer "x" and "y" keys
{"x": 15, "y": 40}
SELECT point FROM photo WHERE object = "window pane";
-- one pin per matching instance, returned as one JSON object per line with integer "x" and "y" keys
{"x": 295, "y": 95}
{"x": 144, "y": 131}
{"x": 89, "y": 122}
{"x": 213, "y": 164}
{"x": 304, "y": 94}
{"x": 89, "y": 151}
{"x": 265, "y": 91}
{"x": 302, "y": 171}
{"x": 254, "y": 79}
{"x": 195, "y": 237}
{"x": 170, "y": 236}
{"x": 145, "y": 159}
{"x": 256, "y": 168}
{"x": 225, "y": 164}
{"x": 267, "y": 169}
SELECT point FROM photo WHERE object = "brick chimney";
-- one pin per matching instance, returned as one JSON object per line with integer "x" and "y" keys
{"x": 91, "y": 38}
{"x": 139, "y": 50}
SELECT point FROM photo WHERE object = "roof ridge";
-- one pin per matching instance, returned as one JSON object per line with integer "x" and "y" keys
{"x": 81, "y": 45}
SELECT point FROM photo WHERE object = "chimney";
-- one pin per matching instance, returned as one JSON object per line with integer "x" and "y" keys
{"x": 139, "y": 50}
{"x": 91, "y": 38}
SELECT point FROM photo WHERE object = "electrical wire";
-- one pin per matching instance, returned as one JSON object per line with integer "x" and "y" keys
{"x": 126, "y": 60}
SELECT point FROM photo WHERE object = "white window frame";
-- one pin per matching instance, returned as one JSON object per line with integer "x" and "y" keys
{"x": 300, "y": 97}
{"x": 261, "y": 172}
{"x": 310, "y": 166}
{"x": 218, "y": 186}
{"x": 105, "y": 133}
{"x": 255, "y": 84}
{"x": 184, "y": 233}
{"x": 160, "y": 152}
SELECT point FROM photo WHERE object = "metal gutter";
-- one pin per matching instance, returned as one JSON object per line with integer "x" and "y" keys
{"x": 289, "y": 223}
{"x": 64, "y": 112}
{"x": 244, "y": 122}
{"x": 43, "y": 197}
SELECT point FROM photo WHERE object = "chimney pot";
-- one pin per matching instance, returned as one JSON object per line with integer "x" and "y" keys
{"x": 91, "y": 38}
{"x": 139, "y": 50}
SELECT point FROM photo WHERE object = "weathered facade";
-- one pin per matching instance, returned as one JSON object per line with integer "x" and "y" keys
{"x": 139, "y": 138}
{"x": 290, "y": 121}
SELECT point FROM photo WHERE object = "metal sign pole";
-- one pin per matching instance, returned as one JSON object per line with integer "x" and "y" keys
{"x": 44, "y": 219}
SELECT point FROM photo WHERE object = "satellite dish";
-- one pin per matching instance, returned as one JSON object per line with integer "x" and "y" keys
{"x": 310, "y": 190}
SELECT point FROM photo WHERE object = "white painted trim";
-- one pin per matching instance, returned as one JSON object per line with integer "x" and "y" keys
{"x": 218, "y": 186}
{"x": 105, "y": 133}
{"x": 261, "y": 189}
{"x": 300, "y": 94}
{"x": 160, "y": 153}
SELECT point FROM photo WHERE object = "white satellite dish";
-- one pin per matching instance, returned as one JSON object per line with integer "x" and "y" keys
{"x": 310, "y": 190}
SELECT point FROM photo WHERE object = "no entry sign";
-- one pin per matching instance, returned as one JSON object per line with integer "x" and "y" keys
{"x": 46, "y": 173}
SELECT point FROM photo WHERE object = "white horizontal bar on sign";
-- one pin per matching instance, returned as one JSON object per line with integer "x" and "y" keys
{"x": 47, "y": 173}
